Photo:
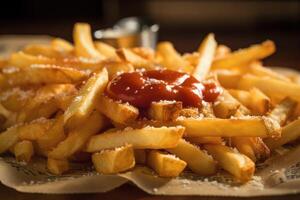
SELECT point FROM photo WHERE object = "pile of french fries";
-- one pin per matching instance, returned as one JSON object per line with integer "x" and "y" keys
{"x": 52, "y": 104}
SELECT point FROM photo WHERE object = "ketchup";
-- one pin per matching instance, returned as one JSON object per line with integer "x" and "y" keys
{"x": 142, "y": 88}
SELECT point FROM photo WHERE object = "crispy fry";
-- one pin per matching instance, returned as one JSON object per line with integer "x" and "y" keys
{"x": 117, "y": 112}
{"x": 114, "y": 161}
{"x": 228, "y": 78}
{"x": 259, "y": 70}
{"x": 197, "y": 160}
{"x": 106, "y": 50}
{"x": 206, "y": 51}
{"x": 61, "y": 45}
{"x": 222, "y": 51}
{"x": 244, "y": 56}
{"x": 165, "y": 165}
{"x": 164, "y": 110}
{"x": 235, "y": 163}
{"x": 83, "y": 41}
{"x": 144, "y": 138}
{"x": 57, "y": 166}
{"x": 289, "y": 133}
{"x": 84, "y": 103}
{"x": 253, "y": 147}
{"x": 53, "y": 136}
{"x": 23, "y": 151}
{"x": 115, "y": 68}
{"x": 245, "y": 127}
{"x": 41, "y": 74}
{"x": 171, "y": 59}
{"x": 36, "y": 129}
{"x": 77, "y": 138}
{"x": 205, "y": 140}
{"x": 283, "y": 110}
{"x": 44, "y": 50}
{"x": 136, "y": 60}
{"x": 271, "y": 87}
{"x": 44, "y": 103}
{"x": 16, "y": 98}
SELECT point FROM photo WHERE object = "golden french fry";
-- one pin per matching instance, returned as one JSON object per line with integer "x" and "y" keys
{"x": 77, "y": 138}
{"x": 165, "y": 165}
{"x": 164, "y": 110}
{"x": 16, "y": 98}
{"x": 282, "y": 111}
{"x": 205, "y": 140}
{"x": 270, "y": 86}
{"x": 144, "y": 138}
{"x": 144, "y": 52}
{"x": 222, "y": 51}
{"x": 117, "y": 112}
{"x": 61, "y": 45}
{"x": 44, "y": 50}
{"x": 114, "y": 161}
{"x": 44, "y": 103}
{"x": 106, "y": 50}
{"x": 140, "y": 156}
{"x": 36, "y": 129}
{"x": 42, "y": 74}
{"x": 228, "y": 78}
{"x": 289, "y": 133}
{"x": 253, "y": 147}
{"x": 84, "y": 103}
{"x": 239, "y": 165}
{"x": 23, "y": 151}
{"x": 57, "y": 167}
{"x": 259, "y": 70}
{"x": 197, "y": 160}
{"x": 206, "y": 51}
{"x": 8, "y": 138}
{"x": 245, "y": 127}
{"x": 171, "y": 59}
{"x": 227, "y": 106}
{"x": 244, "y": 56}
{"x": 84, "y": 46}
{"x": 136, "y": 60}
{"x": 115, "y": 68}
{"x": 53, "y": 136}
{"x": 23, "y": 60}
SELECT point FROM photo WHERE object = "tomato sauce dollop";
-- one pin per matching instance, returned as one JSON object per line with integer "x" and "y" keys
{"x": 142, "y": 88}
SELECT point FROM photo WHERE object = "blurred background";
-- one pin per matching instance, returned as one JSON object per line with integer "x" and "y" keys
{"x": 183, "y": 22}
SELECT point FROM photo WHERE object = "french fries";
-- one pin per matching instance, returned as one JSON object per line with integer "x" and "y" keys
{"x": 164, "y": 110}
{"x": 57, "y": 166}
{"x": 289, "y": 133}
{"x": 114, "y": 161}
{"x": 84, "y": 45}
{"x": 54, "y": 103}
{"x": 41, "y": 74}
{"x": 235, "y": 163}
{"x": 117, "y": 112}
{"x": 206, "y": 51}
{"x": 165, "y": 165}
{"x": 171, "y": 59}
{"x": 244, "y": 56}
{"x": 246, "y": 127}
{"x": 23, "y": 151}
{"x": 270, "y": 86}
{"x": 203, "y": 165}
{"x": 144, "y": 138}
{"x": 76, "y": 139}
{"x": 84, "y": 103}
